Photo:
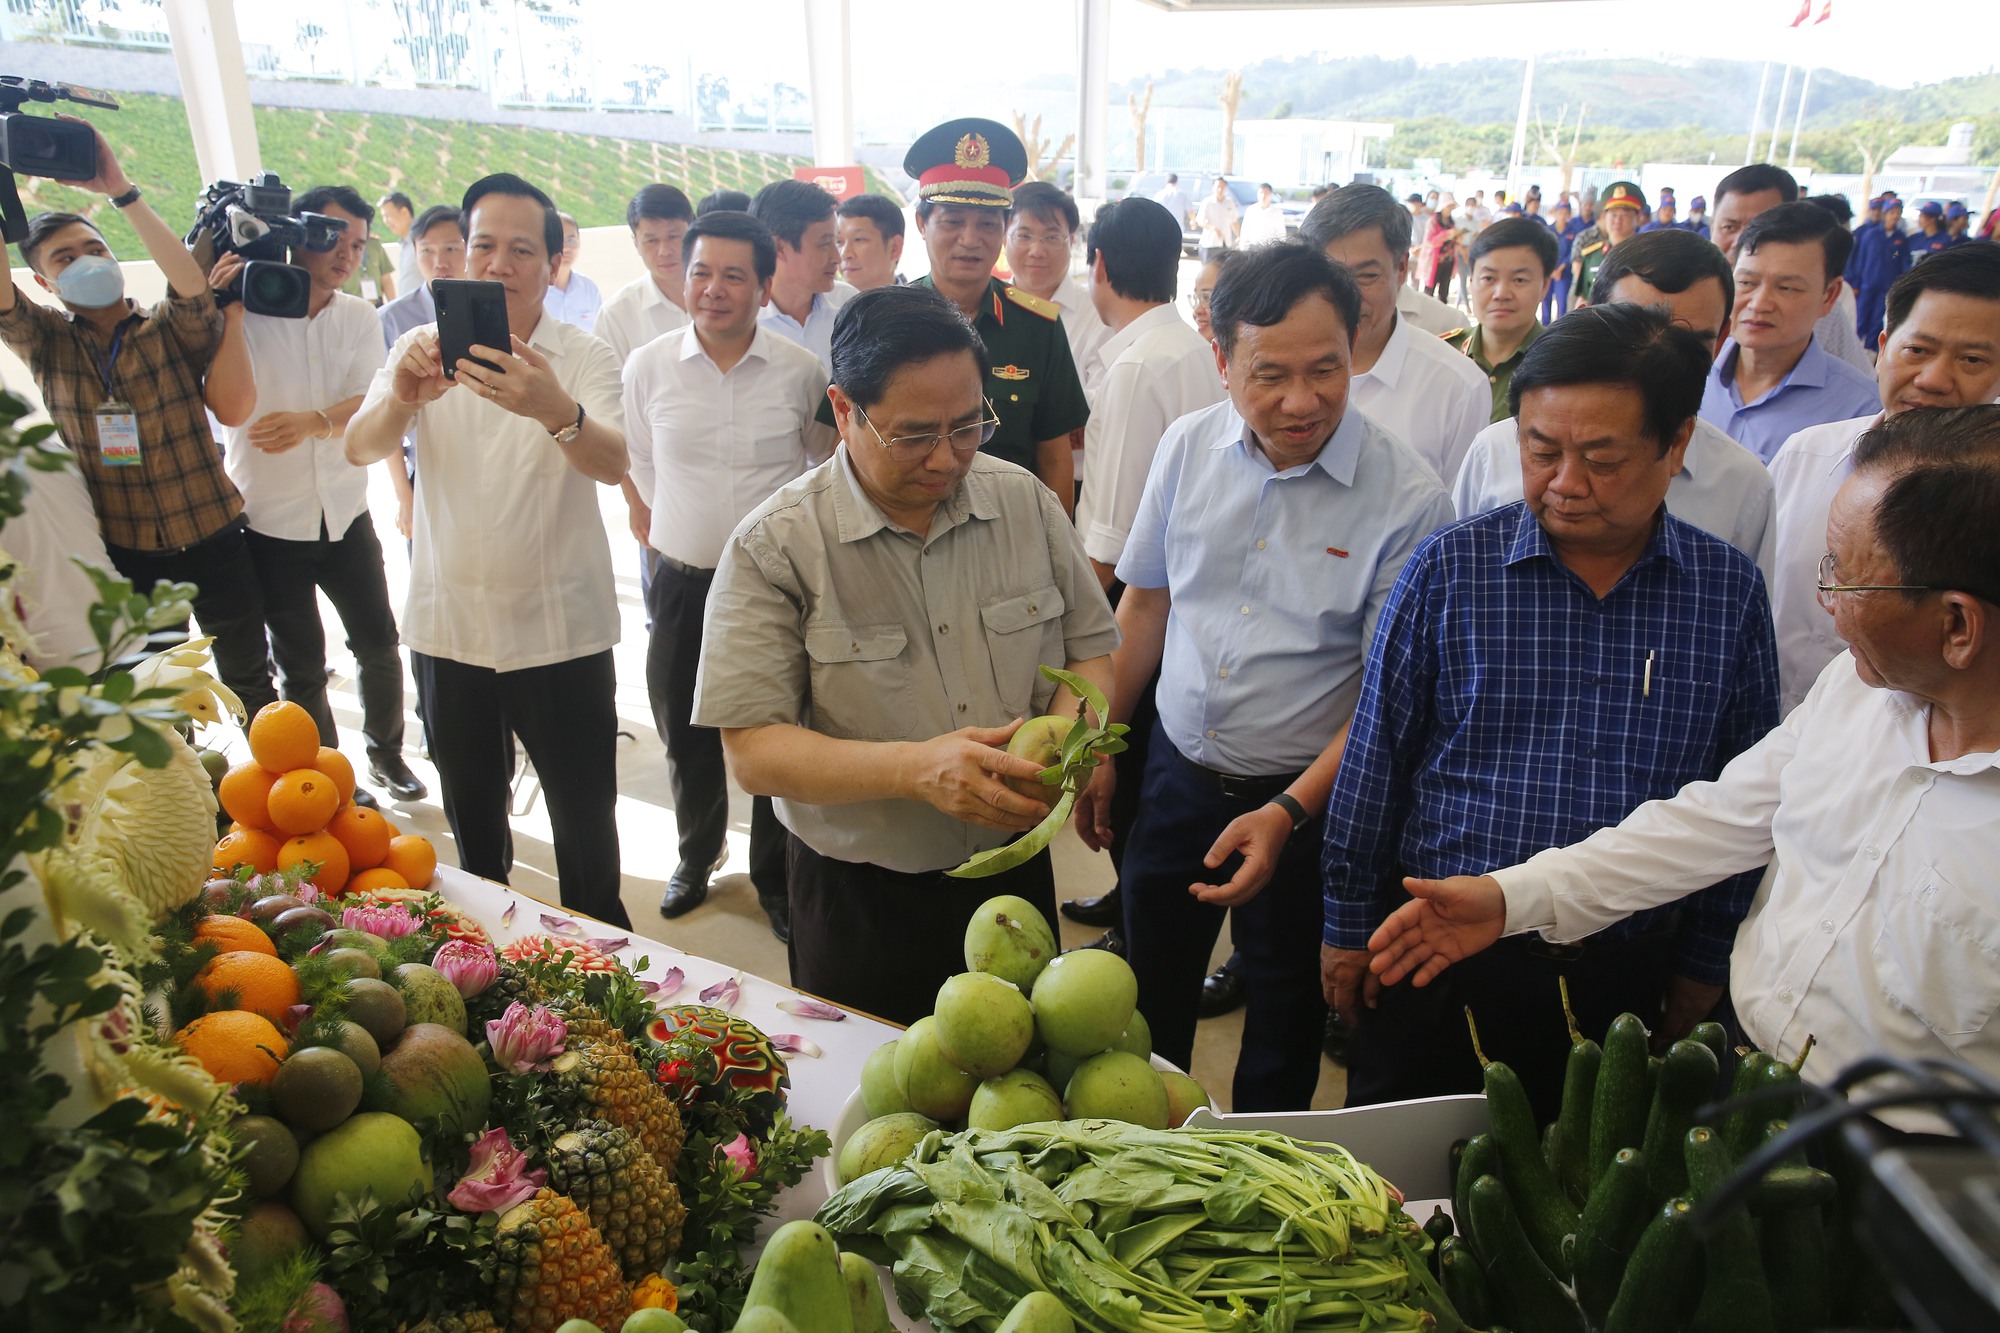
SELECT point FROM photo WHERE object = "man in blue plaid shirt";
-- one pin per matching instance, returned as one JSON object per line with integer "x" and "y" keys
{"x": 1540, "y": 671}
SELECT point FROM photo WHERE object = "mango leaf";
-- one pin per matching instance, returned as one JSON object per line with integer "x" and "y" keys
{"x": 1083, "y": 690}
{"x": 1023, "y": 849}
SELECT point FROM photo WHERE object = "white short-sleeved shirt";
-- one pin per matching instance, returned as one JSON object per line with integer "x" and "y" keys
{"x": 1152, "y": 372}
{"x": 1261, "y": 223}
{"x": 635, "y": 315}
{"x": 510, "y": 567}
{"x": 1426, "y": 393}
{"x": 305, "y": 365}
{"x": 1721, "y": 488}
{"x": 816, "y": 334}
{"x": 1806, "y": 471}
{"x": 707, "y": 447}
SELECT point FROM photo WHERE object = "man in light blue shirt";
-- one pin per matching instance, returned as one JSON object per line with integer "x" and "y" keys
{"x": 1270, "y": 533}
{"x": 1773, "y": 378}
{"x": 807, "y": 292}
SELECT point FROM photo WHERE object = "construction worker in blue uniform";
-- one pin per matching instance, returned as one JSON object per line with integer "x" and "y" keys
{"x": 1697, "y": 218}
{"x": 1931, "y": 235}
{"x": 1567, "y": 227}
{"x": 1957, "y": 223}
{"x": 1881, "y": 255}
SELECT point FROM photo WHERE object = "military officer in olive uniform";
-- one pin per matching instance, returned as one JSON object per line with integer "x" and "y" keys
{"x": 966, "y": 171}
{"x": 1618, "y": 210}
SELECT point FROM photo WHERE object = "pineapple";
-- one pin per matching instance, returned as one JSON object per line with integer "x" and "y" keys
{"x": 631, "y": 1201}
{"x": 585, "y": 1022}
{"x": 603, "y": 1081}
{"x": 548, "y": 1265}
{"x": 464, "y": 1321}
{"x": 510, "y": 985}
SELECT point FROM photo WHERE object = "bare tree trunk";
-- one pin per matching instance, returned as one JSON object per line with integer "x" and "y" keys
{"x": 1037, "y": 147}
{"x": 1231, "y": 98}
{"x": 1139, "y": 109}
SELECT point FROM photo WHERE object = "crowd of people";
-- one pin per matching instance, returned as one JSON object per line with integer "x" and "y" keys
{"x": 1652, "y": 643}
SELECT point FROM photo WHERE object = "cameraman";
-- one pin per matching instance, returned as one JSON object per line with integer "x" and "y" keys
{"x": 124, "y": 386}
{"x": 307, "y": 506}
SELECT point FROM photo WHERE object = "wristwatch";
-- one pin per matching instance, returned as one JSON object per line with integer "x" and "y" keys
{"x": 571, "y": 431}
{"x": 1285, "y": 801}
{"x": 127, "y": 199}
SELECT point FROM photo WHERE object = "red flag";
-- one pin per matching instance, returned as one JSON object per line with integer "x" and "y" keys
{"x": 1805, "y": 12}
{"x": 1825, "y": 12}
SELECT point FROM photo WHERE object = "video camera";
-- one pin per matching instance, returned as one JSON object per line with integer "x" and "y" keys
{"x": 255, "y": 220}
{"x": 38, "y": 146}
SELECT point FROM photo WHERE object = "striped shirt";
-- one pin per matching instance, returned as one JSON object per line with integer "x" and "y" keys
{"x": 1505, "y": 709}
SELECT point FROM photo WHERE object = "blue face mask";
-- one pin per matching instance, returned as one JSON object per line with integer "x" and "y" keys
{"x": 92, "y": 282}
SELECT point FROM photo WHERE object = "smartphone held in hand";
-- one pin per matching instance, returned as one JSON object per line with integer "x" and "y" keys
{"x": 469, "y": 314}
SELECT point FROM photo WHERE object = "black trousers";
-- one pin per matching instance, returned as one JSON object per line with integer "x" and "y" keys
{"x": 1131, "y": 764}
{"x": 696, "y": 774}
{"x": 348, "y": 568}
{"x": 228, "y": 604}
{"x": 882, "y": 941}
{"x": 1170, "y": 933}
{"x": 565, "y": 715}
{"x": 1415, "y": 1042}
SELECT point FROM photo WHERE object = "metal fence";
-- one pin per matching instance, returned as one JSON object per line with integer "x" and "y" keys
{"x": 559, "y": 54}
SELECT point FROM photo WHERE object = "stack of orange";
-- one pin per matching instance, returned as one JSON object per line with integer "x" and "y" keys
{"x": 294, "y": 803}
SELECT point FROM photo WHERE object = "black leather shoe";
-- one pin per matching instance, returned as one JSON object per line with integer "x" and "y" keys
{"x": 779, "y": 910}
{"x": 1334, "y": 1043}
{"x": 394, "y": 776}
{"x": 687, "y": 890}
{"x": 1103, "y": 910}
{"x": 1221, "y": 992}
{"x": 1111, "y": 941}
{"x": 365, "y": 799}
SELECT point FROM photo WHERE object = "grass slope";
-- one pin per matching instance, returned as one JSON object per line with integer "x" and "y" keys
{"x": 590, "y": 176}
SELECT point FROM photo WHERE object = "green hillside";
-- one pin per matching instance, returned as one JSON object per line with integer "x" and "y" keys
{"x": 590, "y": 176}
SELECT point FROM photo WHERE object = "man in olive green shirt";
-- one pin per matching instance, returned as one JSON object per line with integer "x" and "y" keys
{"x": 375, "y": 280}
{"x": 1512, "y": 263}
{"x": 873, "y": 633}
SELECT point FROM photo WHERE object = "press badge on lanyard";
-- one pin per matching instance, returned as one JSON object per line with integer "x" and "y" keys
{"x": 117, "y": 423}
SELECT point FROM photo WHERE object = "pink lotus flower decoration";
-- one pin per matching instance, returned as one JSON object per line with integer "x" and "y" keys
{"x": 470, "y": 967}
{"x": 524, "y": 1040}
{"x": 741, "y": 1153}
{"x": 390, "y": 923}
{"x": 499, "y": 1176}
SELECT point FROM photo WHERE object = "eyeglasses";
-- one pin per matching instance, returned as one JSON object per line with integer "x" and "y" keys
{"x": 966, "y": 439}
{"x": 1827, "y": 587}
{"x": 1198, "y": 300}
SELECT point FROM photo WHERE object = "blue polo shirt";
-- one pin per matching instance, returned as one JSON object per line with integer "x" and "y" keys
{"x": 1821, "y": 388}
{"x": 1276, "y": 580}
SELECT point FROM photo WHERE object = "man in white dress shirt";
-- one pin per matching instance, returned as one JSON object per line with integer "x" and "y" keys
{"x": 1175, "y": 200}
{"x": 651, "y": 304}
{"x": 718, "y": 415}
{"x": 572, "y": 298}
{"x": 1940, "y": 348}
{"x": 1721, "y": 487}
{"x": 807, "y": 291}
{"x": 1264, "y": 220}
{"x": 1876, "y": 801}
{"x": 512, "y": 611}
{"x": 307, "y": 506}
{"x": 1411, "y": 384}
{"x": 399, "y": 215}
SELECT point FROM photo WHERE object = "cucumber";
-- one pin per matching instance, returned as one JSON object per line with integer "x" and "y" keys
{"x": 1530, "y": 1294}
{"x": 1711, "y": 1035}
{"x": 1480, "y": 1158}
{"x": 1464, "y": 1283}
{"x": 1735, "y": 1296}
{"x": 1437, "y": 1229}
{"x": 1743, "y": 1127}
{"x": 1612, "y": 1223}
{"x": 1569, "y": 1132}
{"x": 1619, "y": 1105}
{"x": 1792, "y": 1236}
{"x": 1451, "y": 1162}
{"x": 1687, "y": 1080}
{"x": 1649, "y": 1297}
{"x": 1544, "y": 1211}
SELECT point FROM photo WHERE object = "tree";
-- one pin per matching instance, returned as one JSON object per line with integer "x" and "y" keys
{"x": 1876, "y": 139}
{"x": 1552, "y": 145}
{"x": 1139, "y": 109}
{"x": 1231, "y": 98}
{"x": 1039, "y": 157}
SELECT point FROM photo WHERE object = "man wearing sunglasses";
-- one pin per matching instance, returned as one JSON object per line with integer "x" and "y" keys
{"x": 875, "y": 633}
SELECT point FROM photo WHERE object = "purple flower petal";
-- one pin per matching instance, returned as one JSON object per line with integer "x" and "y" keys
{"x": 724, "y": 992}
{"x": 665, "y": 986}
{"x": 556, "y": 925}
{"x": 507, "y": 917}
{"x": 610, "y": 944}
{"x": 788, "y": 1043}
{"x": 807, "y": 1007}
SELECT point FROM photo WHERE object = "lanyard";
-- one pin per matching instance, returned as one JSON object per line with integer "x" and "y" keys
{"x": 108, "y": 365}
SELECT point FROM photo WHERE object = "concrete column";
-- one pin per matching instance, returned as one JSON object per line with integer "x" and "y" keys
{"x": 829, "y": 59}
{"x": 1093, "y": 94}
{"x": 209, "y": 55}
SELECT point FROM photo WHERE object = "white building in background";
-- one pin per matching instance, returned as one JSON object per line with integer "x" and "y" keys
{"x": 1306, "y": 152}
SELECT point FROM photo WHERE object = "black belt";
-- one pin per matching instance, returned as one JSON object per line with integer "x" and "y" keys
{"x": 1236, "y": 787}
{"x": 689, "y": 570}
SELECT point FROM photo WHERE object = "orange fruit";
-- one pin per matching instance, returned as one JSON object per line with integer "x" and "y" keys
{"x": 262, "y": 983}
{"x": 235, "y": 1046}
{"x": 251, "y": 847}
{"x": 364, "y": 833}
{"x": 374, "y": 881}
{"x": 325, "y": 850}
{"x": 336, "y": 766}
{"x": 302, "y": 801}
{"x": 245, "y": 794}
{"x": 232, "y": 934}
{"x": 413, "y": 858}
{"x": 283, "y": 737}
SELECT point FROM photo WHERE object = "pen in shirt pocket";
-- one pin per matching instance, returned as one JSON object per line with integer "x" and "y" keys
{"x": 1646, "y": 680}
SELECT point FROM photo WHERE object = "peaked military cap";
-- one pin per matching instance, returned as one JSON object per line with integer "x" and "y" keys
{"x": 968, "y": 161}
{"x": 1621, "y": 194}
